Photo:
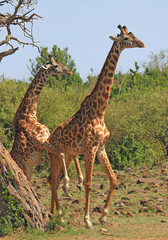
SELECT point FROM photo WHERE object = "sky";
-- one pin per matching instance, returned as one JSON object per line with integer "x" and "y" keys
{"x": 84, "y": 26}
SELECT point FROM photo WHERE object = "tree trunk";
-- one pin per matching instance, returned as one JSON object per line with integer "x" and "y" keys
{"x": 19, "y": 188}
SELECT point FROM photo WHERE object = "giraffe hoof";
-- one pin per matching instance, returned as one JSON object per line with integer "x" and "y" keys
{"x": 88, "y": 222}
{"x": 79, "y": 187}
{"x": 89, "y": 225}
{"x": 65, "y": 190}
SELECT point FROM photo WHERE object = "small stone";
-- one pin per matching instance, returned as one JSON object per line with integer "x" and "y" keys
{"x": 129, "y": 214}
{"x": 122, "y": 186}
{"x": 125, "y": 198}
{"x": 96, "y": 209}
{"x": 131, "y": 191}
{"x": 153, "y": 185}
{"x": 103, "y": 230}
{"x": 102, "y": 186}
{"x": 140, "y": 181}
{"x": 159, "y": 212}
{"x": 116, "y": 213}
{"x": 123, "y": 212}
{"x": 143, "y": 202}
{"x": 163, "y": 221}
{"x": 143, "y": 209}
{"x": 164, "y": 172}
{"x": 61, "y": 228}
{"x": 119, "y": 204}
{"x": 160, "y": 199}
{"x": 78, "y": 201}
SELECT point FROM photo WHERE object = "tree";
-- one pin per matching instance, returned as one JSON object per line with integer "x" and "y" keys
{"x": 18, "y": 199}
{"x": 22, "y": 17}
{"x": 61, "y": 56}
{"x": 157, "y": 61}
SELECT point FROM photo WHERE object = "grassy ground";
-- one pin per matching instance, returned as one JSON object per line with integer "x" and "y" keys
{"x": 138, "y": 209}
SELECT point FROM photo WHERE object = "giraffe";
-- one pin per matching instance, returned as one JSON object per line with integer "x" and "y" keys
{"x": 86, "y": 133}
{"x": 30, "y": 135}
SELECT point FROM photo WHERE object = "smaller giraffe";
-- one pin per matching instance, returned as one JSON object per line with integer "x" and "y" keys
{"x": 31, "y": 137}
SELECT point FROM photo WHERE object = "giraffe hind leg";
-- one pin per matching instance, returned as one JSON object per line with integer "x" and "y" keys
{"x": 53, "y": 149}
{"x": 79, "y": 172}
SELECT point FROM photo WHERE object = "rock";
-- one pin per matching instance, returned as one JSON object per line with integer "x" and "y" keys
{"x": 163, "y": 221}
{"x": 159, "y": 211}
{"x": 96, "y": 209}
{"x": 143, "y": 210}
{"x": 140, "y": 181}
{"x": 129, "y": 214}
{"x": 103, "y": 230}
{"x": 146, "y": 188}
{"x": 132, "y": 191}
{"x": 153, "y": 185}
{"x": 78, "y": 201}
{"x": 119, "y": 204}
{"x": 102, "y": 186}
{"x": 165, "y": 178}
{"x": 125, "y": 198}
{"x": 143, "y": 202}
{"x": 116, "y": 213}
{"x": 164, "y": 172}
{"x": 122, "y": 185}
{"x": 160, "y": 199}
{"x": 61, "y": 228}
{"x": 123, "y": 212}
{"x": 146, "y": 174}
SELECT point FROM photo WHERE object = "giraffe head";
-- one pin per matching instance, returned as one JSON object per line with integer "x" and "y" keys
{"x": 56, "y": 68}
{"x": 127, "y": 39}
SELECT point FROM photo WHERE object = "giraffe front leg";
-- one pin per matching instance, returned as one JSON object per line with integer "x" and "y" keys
{"x": 103, "y": 159}
{"x": 79, "y": 172}
{"x": 89, "y": 162}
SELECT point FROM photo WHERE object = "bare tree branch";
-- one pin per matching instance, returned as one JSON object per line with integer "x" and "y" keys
{"x": 22, "y": 17}
{"x": 7, "y": 53}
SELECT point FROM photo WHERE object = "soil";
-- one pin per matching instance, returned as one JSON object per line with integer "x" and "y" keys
{"x": 138, "y": 209}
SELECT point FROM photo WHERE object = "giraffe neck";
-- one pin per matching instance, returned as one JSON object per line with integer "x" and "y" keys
{"x": 28, "y": 106}
{"x": 97, "y": 101}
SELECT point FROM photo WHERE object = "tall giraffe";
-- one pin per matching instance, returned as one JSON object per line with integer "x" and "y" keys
{"x": 30, "y": 135}
{"x": 86, "y": 133}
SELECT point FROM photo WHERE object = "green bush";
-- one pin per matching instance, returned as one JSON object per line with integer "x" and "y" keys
{"x": 13, "y": 218}
{"x": 55, "y": 221}
{"x": 130, "y": 153}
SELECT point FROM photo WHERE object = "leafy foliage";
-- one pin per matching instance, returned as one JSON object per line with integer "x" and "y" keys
{"x": 136, "y": 115}
{"x": 14, "y": 216}
{"x": 62, "y": 56}
{"x": 55, "y": 221}
{"x": 11, "y": 94}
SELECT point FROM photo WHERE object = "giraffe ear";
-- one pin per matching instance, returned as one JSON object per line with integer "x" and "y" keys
{"x": 46, "y": 66}
{"x": 115, "y": 38}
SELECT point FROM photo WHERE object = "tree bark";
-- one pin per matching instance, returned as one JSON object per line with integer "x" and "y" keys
{"x": 18, "y": 187}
